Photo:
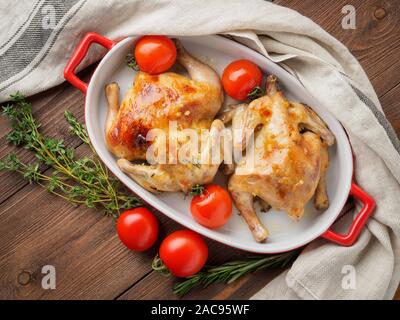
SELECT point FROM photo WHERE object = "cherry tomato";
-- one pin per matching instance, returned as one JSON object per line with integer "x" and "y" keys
{"x": 213, "y": 207}
{"x": 240, "y": 77}
{"x": 155, "y": 54}
{"x": 137, "y": 229}
{"x": 184, "y": 253}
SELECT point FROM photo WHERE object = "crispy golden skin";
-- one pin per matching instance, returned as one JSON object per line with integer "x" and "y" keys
{"x": 291, "y": 158}
{"x": 153, "y": 102}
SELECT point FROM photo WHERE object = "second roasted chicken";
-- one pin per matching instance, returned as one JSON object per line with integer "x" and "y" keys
{"x": 290, "y": 157}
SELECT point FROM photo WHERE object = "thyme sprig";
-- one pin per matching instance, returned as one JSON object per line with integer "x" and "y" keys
{"x": 83, "y": 180}
{"x": 232, "y": 271}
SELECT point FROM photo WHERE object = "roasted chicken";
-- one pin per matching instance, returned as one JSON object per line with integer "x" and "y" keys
{"x": 154, "y": 102}
{"x": 290, "y": 157}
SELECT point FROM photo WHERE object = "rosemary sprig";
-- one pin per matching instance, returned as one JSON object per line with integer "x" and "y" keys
{"x": 131, "y": 62}
{"x": 80, "y": 181}
{"x": 232, "y": 271}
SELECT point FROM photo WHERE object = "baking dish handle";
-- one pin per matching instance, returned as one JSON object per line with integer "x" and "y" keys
{"x": 80, "y": 53}
{"x": 358, "y": 223}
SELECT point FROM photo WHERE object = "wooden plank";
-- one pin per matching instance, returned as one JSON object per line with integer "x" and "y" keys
{"x": 48, "y": 109}
{"x": 155, "y": 286}
{"x": 38, "y": 229}
{"x": 375, "y": 42}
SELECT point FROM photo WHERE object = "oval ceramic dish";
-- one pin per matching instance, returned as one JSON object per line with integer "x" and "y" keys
{"x": 285, "y": 233}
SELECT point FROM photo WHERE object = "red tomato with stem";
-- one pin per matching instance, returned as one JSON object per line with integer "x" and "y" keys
{"x": 184, "y": 253}
{"x": 155, "y": 54}
{"x": 137, "y": 229}
{"x": 213, "y": 207}
{"x": 240, "y": 77}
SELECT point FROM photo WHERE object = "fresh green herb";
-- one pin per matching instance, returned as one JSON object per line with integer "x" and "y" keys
{"x": 131, "y": 62}
{"x": 80, "y": 181}
{"x": 232, "y": 271}
{"x": 197, "y": 190}
{"x": 255, "y": 93}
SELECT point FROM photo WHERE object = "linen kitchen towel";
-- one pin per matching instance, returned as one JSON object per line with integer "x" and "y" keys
{"x": 38, "y": 37}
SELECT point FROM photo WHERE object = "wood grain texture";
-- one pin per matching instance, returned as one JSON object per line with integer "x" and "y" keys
{"x": 157, "y": 287}
{"x": 48, "y": 109}
{"x": 37, "y": 228}
{"x": 375, "y": 42}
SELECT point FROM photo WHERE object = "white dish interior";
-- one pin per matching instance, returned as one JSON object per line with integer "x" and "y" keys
{"x": 285, "y": 233}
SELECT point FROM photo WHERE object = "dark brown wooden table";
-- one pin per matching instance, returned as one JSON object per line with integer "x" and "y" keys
{"x": 37, "y": 228}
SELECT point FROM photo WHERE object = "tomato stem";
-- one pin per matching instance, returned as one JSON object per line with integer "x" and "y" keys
{"x": 255, "y": 93}
{"x": 131, "y": 62}
{"x": 159, "y": 266}
{"x": 197, "y": 190}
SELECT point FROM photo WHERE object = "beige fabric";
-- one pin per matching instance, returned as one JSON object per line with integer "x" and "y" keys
{"x": 323, "y": 65}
